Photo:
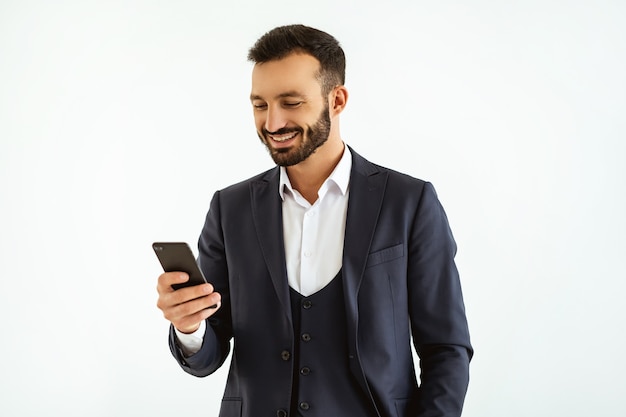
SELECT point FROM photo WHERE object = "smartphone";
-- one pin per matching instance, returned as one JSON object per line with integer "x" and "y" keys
{"x": 177, "y": 256}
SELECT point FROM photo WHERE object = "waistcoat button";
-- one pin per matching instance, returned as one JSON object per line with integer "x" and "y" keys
{"x": 285, "y": 355}
{"x": 281, "y": 413}
{"x": 306, "y": 337}
{"x": 305, "y": 371}
{"x": 306, "y": 304}
{"x": 304, "y": 405}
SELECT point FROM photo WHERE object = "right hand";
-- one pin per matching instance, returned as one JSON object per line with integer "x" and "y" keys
{"x": 186, "y": 307}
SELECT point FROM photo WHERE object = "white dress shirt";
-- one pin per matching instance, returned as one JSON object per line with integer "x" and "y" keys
{"x": 313, "y": 235}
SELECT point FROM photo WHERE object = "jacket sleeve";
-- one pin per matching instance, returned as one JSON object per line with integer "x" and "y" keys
{"x": 212, "y": 260}
{"x": 439, "y": 324}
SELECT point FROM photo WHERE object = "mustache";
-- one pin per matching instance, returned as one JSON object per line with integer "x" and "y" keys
{"x": 282, "y": 131}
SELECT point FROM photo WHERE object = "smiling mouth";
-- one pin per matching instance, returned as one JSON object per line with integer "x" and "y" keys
{"x": 283, "y": 138}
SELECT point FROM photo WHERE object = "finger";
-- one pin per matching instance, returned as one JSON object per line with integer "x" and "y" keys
{"x": 182, "y": 295}
{"x": 170, "y": 299}
{"x": 167, "y": 279}
{"x": 190, "y": 309}
{"x": 189, "y": 324}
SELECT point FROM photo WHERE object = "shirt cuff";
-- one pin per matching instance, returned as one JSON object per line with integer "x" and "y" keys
{"x": 192, "y": 342}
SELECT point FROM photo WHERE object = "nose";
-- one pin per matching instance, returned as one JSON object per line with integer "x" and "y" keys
{"x": 274, "y": 119}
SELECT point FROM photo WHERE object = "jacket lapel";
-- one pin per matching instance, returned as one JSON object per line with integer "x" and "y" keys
{"x": 267, "y": 214}
{"x": 367, "y": 187}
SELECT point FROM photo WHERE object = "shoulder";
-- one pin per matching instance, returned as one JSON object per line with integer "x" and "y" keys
{"x": 238, "y": 195}
{"x": 394, "y": 178}
{"x": 244, "y": 186}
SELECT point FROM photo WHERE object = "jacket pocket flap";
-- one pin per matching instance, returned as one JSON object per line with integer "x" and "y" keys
{"x": 385, "y": 255}
{"x": 231, "y": 407}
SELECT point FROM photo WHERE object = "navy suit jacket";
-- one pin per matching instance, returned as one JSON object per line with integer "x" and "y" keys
{"x": 400, "y": 283}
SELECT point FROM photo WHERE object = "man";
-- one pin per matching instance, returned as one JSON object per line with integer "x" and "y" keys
{"x": 322, "y": 269}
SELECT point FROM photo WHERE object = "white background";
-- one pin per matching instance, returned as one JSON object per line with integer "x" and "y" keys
{"x": 119, "y": 119}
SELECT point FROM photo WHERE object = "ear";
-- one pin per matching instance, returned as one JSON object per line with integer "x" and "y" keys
{"x": 338, "y": 100}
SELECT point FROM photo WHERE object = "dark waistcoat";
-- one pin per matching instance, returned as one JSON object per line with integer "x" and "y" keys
{"x": 323, "y": 384}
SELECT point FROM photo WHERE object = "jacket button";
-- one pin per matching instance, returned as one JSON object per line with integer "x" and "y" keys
{"x": 285, "y": 355}
{"x": 306, "y": 304}
{"x": 305, "y": 371}
{"x": 304, "y": 405}
{"x": 281, "y": 413}
{"x": 306, "y": 337}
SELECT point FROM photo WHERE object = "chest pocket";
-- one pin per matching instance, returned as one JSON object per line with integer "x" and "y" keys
{"x": 385, "y": 255}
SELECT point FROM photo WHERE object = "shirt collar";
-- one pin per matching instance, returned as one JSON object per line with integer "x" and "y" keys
{"x": 340, "y": 175}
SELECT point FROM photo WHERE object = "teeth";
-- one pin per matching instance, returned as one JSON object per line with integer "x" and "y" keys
{"x": 284, "y": 138}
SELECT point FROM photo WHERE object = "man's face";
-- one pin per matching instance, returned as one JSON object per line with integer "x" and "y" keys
{"x": 291, "y": 116}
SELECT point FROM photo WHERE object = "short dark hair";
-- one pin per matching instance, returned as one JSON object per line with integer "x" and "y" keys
{"x": 285, "y": 40}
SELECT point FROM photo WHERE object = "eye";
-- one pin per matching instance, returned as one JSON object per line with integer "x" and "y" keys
{"x": 292, "y": 104}
{"x": 259, "y": 106}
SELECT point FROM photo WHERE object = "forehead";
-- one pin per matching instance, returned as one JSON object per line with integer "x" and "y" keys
{"x": 296, "y": 72}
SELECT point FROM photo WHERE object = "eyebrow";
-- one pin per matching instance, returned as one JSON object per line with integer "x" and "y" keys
{"x": 286, "y": 94}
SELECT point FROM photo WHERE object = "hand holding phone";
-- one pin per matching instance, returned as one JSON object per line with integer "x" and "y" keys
{"x": 184, "y": 304}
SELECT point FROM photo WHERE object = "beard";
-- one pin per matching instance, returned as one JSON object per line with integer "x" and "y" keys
{"x": 314, "y": 137}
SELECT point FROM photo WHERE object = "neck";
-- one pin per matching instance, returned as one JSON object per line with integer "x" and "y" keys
{"x": 308, "y": 176}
